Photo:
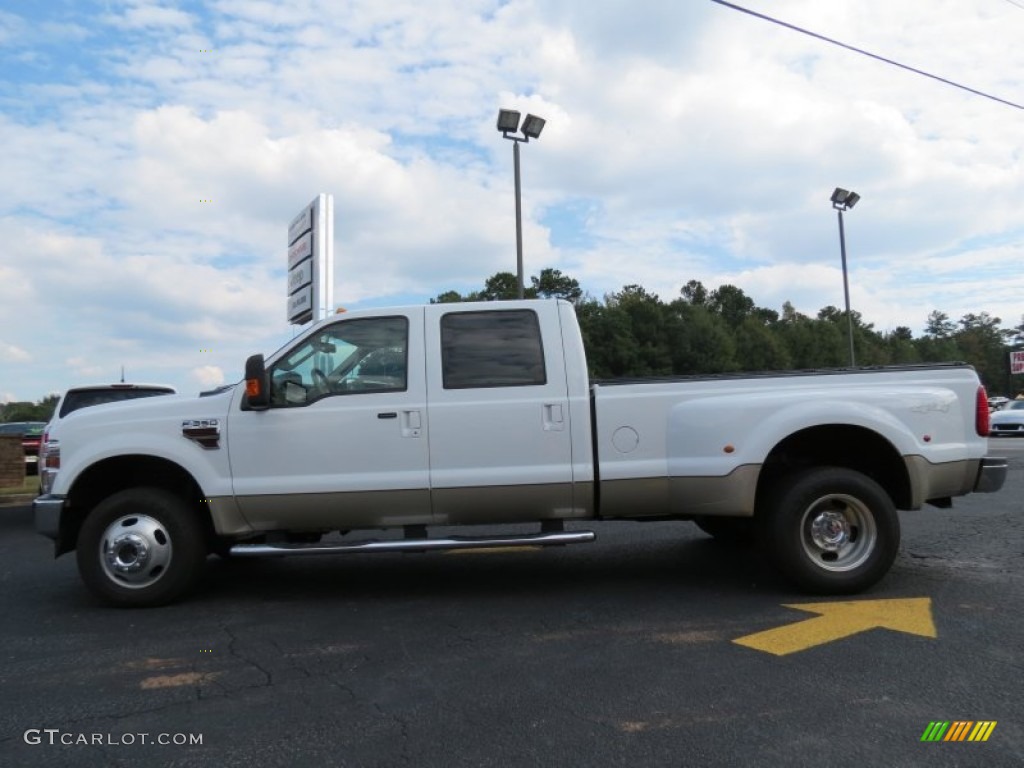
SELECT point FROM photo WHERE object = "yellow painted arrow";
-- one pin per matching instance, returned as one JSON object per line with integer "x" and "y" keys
{"x": 839, "y": 620}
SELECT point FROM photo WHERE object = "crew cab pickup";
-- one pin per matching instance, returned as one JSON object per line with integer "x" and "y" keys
{"x": 473, "y": 414}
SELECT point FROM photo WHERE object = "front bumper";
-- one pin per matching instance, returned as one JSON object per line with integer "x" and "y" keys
{"x": 47, "y": 511}
{"x": 991, "y": 475}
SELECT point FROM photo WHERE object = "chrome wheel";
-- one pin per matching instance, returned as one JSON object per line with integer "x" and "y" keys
{"x": 832, "y": 530}
{"x": 838, "y": 532}
{"x": 135, "y": 551}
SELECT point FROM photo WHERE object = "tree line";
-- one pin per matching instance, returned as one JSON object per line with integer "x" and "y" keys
{"x": 26, "y": 411}
{"x": 633, "y": 332}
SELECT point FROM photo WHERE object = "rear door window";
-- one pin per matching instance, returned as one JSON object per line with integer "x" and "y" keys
{"x": 491, "y": 349}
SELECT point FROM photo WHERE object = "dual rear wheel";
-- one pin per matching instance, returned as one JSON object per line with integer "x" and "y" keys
{"x": 830, "y": 530}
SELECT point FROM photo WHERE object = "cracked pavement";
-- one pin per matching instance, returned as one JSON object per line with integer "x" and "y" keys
{"x": 615, "y": 653}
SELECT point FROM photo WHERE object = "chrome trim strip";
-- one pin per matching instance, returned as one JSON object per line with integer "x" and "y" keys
{"x": 46, "y": 510}
{"x": 991, "y": 474}
{"x": 413, "y": 545}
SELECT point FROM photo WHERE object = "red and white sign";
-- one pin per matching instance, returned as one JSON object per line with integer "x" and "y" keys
{"x": 300, "y": 249}
{"x": 310, "y": 293}
{"x": 1017, "y": 362}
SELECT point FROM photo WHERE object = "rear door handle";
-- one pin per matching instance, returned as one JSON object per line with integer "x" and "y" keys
{"x": 553, "y": 419}
{"x": 387, "y": 415}
{"x": 412, "y": 423}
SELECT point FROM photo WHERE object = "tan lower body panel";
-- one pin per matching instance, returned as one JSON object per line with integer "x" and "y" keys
{"x": 335, "y": 511}
{"x": 512, "y": 503}
{"x": 388, "y": 509}
{"x": 937, "y": 481}
{"x": 730, "y": 495}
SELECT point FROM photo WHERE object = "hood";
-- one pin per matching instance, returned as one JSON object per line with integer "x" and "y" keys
{"x": 134, "y": 415}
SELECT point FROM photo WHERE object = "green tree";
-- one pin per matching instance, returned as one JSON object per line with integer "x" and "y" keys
{"x": 982, "y": 343}
{"x": 939, "y": 326}
{"x": 694, "y": 293}
{"x": 702, "y": 342}
{"x": 612, "y": 350}
{"x": 900, "y": 347}
{"x": 503, "y": 286}
{"x": 646, "y": 317}
{"x": 758, "y": 348}
{"x": 448, "y": 297}
{"x": 552, "y": 284}
{"x": 41, "y": 410}
{"x": 731, "y": 303}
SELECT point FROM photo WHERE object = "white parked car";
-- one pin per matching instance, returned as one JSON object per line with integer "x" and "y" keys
{"x": 87, "y": 396}
{"x": 1008, "y": 420}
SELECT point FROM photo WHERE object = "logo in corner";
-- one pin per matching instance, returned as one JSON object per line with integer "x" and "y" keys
{"x": 959, "y": 730}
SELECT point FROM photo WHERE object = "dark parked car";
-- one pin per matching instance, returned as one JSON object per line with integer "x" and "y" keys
{"x": 98, "y": 394}
{"x": 31, "y": 433}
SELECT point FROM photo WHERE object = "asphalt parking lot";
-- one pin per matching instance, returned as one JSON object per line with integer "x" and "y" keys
{"x": 619, "y": 653}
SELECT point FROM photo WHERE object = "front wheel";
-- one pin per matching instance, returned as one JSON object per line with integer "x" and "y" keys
{"x": 831, "y": 530}
{"x": 141, "y": 547}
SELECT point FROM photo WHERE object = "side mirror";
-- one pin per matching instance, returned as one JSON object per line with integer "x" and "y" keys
{"x": 257, "y": 385}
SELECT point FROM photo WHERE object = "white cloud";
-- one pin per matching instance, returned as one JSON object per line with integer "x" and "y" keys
{"x": 142, "y": 15}
{"x": 208, "y": 376}
{"x": 83, "y": 367}
{"x": 9, "y": 353}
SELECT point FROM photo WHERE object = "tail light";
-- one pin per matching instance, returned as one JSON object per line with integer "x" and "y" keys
{"x": 49, "y": 464}
{"x": 982, "y": 424}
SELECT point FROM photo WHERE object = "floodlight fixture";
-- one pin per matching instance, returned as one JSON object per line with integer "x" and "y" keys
{"x": 532, "y": 126}
{"x": 843, "y": 199}
{"x": 508, "y": 120}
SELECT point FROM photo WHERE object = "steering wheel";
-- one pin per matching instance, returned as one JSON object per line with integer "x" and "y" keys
{"x": 320, "y": 380}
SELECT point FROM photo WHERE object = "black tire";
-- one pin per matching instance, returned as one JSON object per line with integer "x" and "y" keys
{"x": 831, "y": 530}
{"x": 728, "y": 530}
{"x": 141, "y": 547}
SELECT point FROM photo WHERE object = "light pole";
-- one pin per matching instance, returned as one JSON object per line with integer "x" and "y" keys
{"x": 508, "y": 123}
{"x": 844, "y": 200}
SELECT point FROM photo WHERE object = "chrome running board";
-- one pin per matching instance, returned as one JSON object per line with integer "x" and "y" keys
{"x": 414, "y": 545}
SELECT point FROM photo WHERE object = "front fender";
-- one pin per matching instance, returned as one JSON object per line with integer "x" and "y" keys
{"x": 172, "y": 434}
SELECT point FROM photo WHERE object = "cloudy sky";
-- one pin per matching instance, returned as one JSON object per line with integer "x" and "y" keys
{"x": 153, "y": 154}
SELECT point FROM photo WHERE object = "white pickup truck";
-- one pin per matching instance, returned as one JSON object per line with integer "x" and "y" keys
{"x": 472, "y": 414}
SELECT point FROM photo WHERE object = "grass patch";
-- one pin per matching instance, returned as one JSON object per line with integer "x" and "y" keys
{"x": 31, "y": 485}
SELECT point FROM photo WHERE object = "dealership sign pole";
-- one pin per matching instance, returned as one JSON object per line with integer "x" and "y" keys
{"x": 310, "y": 292}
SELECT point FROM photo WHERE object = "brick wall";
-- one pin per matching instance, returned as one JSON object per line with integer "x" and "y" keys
{"x": 12, "y": 461}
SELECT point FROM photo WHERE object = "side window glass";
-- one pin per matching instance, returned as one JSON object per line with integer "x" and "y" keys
{"x": 349, "y": 357}
{"x": 491, "y": 349}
